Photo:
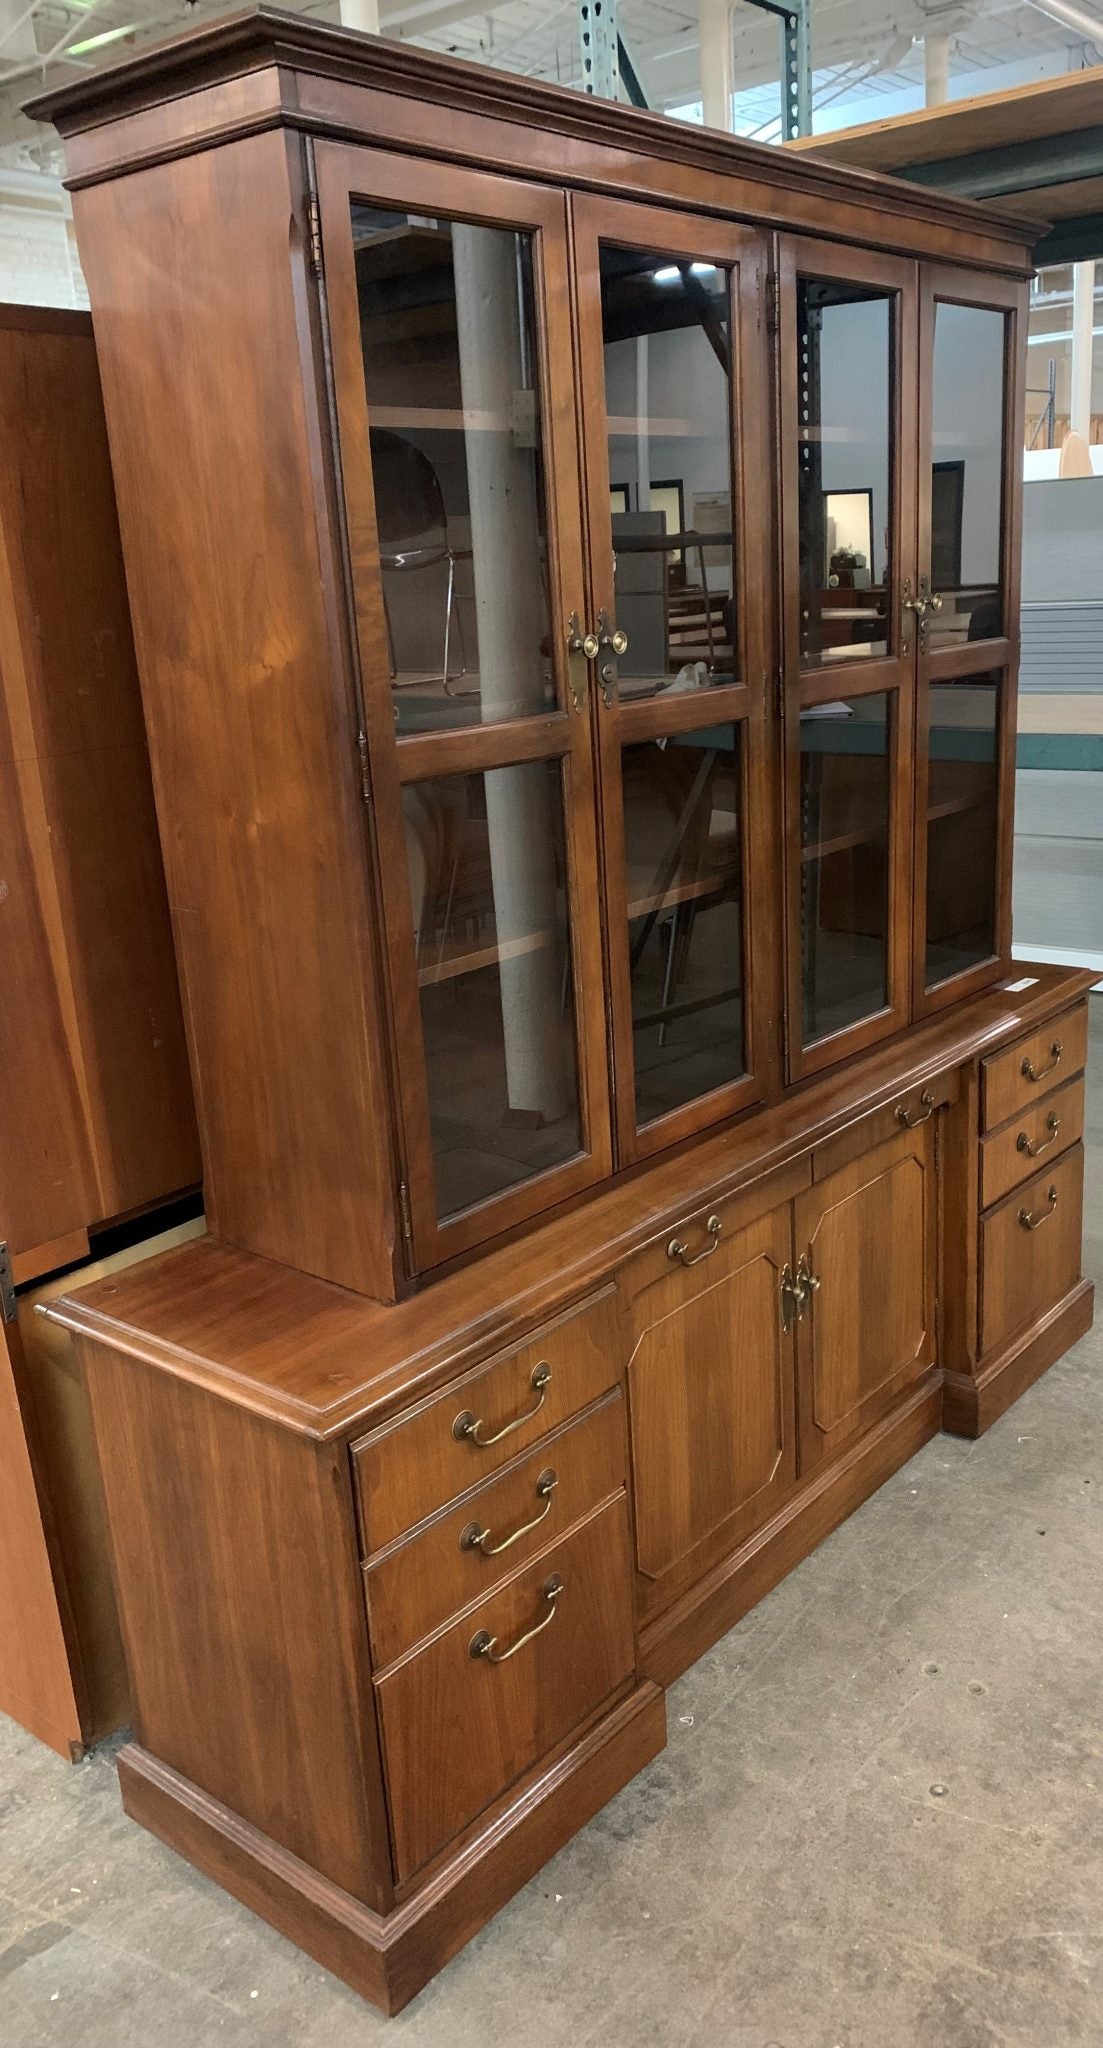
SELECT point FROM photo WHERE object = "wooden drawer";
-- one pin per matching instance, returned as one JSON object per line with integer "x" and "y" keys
{"x": 1025, "y": 1270}
{"x": 411, "y": 1467}
{"x": 914, "y": 1107}
{"x": 459, "y": 1729}
{"x": 1048, "y": 1127}
{"x": 429, "y": 1576}
{"x": 1052, "y": 1054}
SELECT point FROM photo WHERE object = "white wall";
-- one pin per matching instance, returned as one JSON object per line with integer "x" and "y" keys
{"x": 38, "y": 259}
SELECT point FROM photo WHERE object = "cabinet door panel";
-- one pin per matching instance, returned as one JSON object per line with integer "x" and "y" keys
{"x": 711, "y": 1404}
{"x": 447, "y": 294}
{"x": 868, "y": 1328}
{"x": 674, "y": 375}
{"x": 848, "y": 425}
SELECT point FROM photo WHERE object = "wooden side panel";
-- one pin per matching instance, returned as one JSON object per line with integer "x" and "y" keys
{"x": 36, "y": 1687}
{"x": 196, "y": 272}
{"x": 869, "y": 1327}
{"x": 238, "y": 1587}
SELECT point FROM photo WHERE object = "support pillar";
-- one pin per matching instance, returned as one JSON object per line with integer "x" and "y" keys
{"x": 361, "y": 14}
{"x": 717, "y": 64}
{"x": 1083, "y": 320}
{"x": 936, "y": 69}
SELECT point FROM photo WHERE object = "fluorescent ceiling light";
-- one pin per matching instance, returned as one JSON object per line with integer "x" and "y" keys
{"x": 671, "y": 273}
{"x": 109, "y": 35}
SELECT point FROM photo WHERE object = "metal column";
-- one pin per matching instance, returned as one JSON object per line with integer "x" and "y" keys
{"x": 795, "y": 22}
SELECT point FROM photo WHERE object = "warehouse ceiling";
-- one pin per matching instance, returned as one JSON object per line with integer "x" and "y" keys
{"x": 868, "y": 57}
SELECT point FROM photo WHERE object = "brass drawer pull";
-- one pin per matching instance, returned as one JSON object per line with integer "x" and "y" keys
{"x": 474, "y": 1538}
{"x": 1032, "y": 1149}
{"x": 1031, "y": 1222}
{"x": 485, "y": 1645}
{"x": 468, "y": 1425}
{"x": 1030, "y": 1072}
{"x": 926, "y": 1109}
{"x": 677, "y": 1250}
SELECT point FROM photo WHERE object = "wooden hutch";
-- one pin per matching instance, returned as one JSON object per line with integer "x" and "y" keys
{"x": 574, "y": 565}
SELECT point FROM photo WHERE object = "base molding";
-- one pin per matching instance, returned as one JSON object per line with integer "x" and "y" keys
{"x": 697, "y": 1620}
{"x": 389, "y": 1958}
{"x": 972, "y": 1402}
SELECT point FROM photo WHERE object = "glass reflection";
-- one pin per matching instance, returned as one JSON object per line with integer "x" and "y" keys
{"x": 962, "y": 791}
{"x": 844, "y": 810}
{"x": 844, "y": 458}
{"x": 684, "y": 875}
{"x": 667, "y": 350}
{"x": 488, "y": 891}
{"x": 448, "y": 327}
{"x": 967, "y": 474}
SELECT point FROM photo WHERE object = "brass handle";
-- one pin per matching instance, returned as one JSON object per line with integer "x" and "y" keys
{"x": 934, "y": 602}
{"x": 474, "y": 1538}
{"x": 807, "y": 1281}
{"x": 468, "y": 1425}
{"x": 612, "y": 641}
{"x": 485, "y": 1645}
{"x": 1031, "y": 1222}
{"x": 677, "y": 1250}
{"x": 1030, "y": 1072}
{"x": 926, "y": 1109}
{"x": 918, "y": 605}
{"x": 1024, "y": 1144}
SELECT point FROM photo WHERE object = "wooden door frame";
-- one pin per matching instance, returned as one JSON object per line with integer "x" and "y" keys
{"x": 745, "y": 251}
{"x": 345, "y": 172}
{"x": 941, "y": 281}
{"x": 798, "y": 256}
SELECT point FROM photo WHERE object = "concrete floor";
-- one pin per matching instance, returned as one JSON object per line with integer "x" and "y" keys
{"x": 879, "y": 1822}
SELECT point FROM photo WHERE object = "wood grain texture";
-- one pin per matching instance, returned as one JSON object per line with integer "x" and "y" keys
{"x": 389, "y": 1960}
{"x": 99, "y": 1119}
{"x": 324, "y": 1361}
{"x": 36, "y": 1678}
{"x": 1025, "y": 1270}
{"x": 247, "y": 701}
{"x": 972, "y": 1402}
{"x": 459, "y": 1730}
{"x": 1056, "y": 1050}
{"x": 232, "y": 1543}
{"x": 870, "y": 1233}
{"x": 414, "y": 1586}
{"x": 1040, "y": 1134}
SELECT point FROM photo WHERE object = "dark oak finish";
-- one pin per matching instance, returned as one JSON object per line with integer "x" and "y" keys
{"x": 484, "y": 1399}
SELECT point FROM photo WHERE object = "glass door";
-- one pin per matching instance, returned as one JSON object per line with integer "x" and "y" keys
{"x": 847, "y": 412}
{"x": 447, "y": 295}
{"x": 675, "y": 415}
{"x": 970, "y": 432}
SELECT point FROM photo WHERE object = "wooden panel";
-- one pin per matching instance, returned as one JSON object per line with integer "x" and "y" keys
{"x": 415, "y": 1465}
{"x": 869, "y": 1328}
{"x": 916, "y": 1106}
{"x": 413, "y": 1589}
{"x": 100, "y": 1119}
{"x": 36, "y": 1686}
{"x": 242, "y": 1615}
{"x": 711, "y": 1403}
{"x": 1014, "y": 1153}
{"x": 1053, "y": 1052}
{"x": 1025, "y": 1270}
{"x": 458, "y": 1729}
{"x": 247, "y": 697}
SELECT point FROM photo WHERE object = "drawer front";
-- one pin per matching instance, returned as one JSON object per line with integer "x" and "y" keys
{"x": 411, "y": 1467}
{"x": 459, "y": 1729}
{"x": 1023, "y": 1147}
{"x": 914, "y": 1107}
{"x": 1016, "y": 1079}
{"x": 1030, "y": 1250}
{"x": 413, "y": 1589}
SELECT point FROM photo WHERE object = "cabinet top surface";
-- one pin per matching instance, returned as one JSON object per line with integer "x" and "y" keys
{"x": 267, "y": 38}
{"x": 325, "y": 1362}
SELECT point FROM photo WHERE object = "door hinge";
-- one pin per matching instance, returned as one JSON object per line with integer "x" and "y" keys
{"x": 773, "y": 303}
{"x": 365, "y": 774}
{"x": 404, "y": 1209}
{"x": 314, "y": 235}
{"x": 785, "y": 1042}
{"x": 779, "y": 693}
{"x": 8, "y": 1309}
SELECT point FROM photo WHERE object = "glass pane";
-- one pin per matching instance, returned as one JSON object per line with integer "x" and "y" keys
{"x": 962, "y": 787}
{"x": 844, "y": 809}
{"x": 667, "y": 333}
{"x": 684, "y": 868}
{"x": 967, "y": 474}
{"x": 844, "y": 456}
{"x": 448, "y": 326}
{"x": 488, "y": 890}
